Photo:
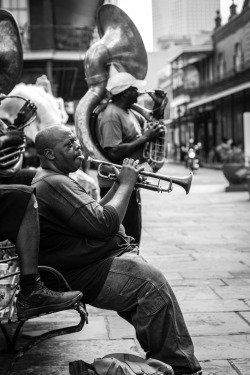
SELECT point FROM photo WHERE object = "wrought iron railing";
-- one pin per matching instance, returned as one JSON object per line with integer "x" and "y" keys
{"x": 230, "y": 79}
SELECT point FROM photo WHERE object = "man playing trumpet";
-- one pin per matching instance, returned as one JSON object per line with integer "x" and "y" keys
{"x": 121, "y": 134}
{"x": 88, "y": 244}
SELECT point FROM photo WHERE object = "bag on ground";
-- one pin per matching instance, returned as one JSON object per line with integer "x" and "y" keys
{"x": 120, "y": 364}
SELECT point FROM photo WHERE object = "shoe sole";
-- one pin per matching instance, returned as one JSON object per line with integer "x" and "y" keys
{"x": 48, "y": 308}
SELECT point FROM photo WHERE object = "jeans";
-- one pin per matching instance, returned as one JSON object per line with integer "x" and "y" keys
{"x": 141, "y": 295}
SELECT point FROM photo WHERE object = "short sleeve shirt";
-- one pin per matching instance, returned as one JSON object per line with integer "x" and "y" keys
{"x": 118, "y": 126}
{"x": 77, "y": 233}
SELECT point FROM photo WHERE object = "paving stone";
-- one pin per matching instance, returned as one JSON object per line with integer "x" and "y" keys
{"x": 172, "y": 276}
{"x": 228, "y": 292}
{"x": 208, "y": 348}
{"x": 194, "y": 293}
{"x": 242, "y": 366}
{"x": 214, "y": 305}
{"x": 119, "y": 328}
{"x": 240, "y": 274}
{"x": 204, "y": 274}
{"x": 245, "y": 315}
{"x": 237, "y": 282}
{"x": 216, "y": 324}
{"x": 217, "y": 368}
{"x": 197, "y": 282}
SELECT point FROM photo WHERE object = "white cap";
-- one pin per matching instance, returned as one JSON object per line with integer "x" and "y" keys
{"x": 121, "y": 81}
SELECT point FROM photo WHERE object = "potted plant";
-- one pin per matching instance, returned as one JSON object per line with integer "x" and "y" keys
{"x": 235, "y": 170}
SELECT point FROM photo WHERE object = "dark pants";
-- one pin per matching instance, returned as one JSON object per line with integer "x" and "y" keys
{"x": 14, "y": 198}
{"x": 141, "y": 294}
{"x": 132, "y": 219}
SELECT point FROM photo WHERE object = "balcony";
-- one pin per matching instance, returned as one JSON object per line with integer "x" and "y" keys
{"x": 218, "y": 84}
{"x": 61, "y": 38}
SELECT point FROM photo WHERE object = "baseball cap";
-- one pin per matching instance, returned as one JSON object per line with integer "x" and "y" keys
{"x": 121, "y": 81}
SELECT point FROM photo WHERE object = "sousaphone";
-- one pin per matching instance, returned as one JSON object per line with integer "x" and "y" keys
{"x": 120, "y": 46}
{"x": 11, "y": 63}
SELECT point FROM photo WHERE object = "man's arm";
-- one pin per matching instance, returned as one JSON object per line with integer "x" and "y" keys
{"x": 107, "y": 198}
{"x": 119, "y": 195}
{"x": 125, "y": 149}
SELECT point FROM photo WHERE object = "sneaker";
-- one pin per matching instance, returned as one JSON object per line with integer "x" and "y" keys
{"x": 43, "y": 300}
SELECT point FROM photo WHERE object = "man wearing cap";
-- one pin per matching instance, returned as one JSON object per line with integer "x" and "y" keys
{"x": 121, "y": 134}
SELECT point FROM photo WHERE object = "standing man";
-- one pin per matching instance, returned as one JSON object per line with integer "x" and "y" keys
{"x": 122, "y": 134}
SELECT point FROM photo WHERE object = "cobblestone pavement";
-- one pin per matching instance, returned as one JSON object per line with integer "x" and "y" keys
{"x": 201, "y": 242}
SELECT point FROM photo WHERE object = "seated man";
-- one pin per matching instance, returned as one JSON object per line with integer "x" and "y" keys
{"x": 19, "y": 224}
{"x": 89, "y": 246}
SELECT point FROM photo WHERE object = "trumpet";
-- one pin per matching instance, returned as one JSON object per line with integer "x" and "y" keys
{"x": 185, "y": 182}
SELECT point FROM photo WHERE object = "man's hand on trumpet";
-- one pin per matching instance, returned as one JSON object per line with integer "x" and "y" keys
{"x": 129, "y": 173}
{"x": 125, "y": 178}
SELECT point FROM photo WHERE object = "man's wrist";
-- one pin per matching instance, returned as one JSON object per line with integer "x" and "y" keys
{"x": 144, "y": 138}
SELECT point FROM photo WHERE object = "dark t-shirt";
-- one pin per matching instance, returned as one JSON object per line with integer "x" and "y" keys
{"x": 78, "y": 235}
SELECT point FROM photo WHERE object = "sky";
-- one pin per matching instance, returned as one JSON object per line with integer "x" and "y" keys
{"x": 143, "y": 21}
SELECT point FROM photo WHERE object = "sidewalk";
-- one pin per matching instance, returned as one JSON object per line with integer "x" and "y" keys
{"x": 201, "y": 242}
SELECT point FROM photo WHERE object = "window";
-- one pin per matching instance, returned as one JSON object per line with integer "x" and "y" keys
{"x": 238, "y": 57}
{"x": 221, "y": 65}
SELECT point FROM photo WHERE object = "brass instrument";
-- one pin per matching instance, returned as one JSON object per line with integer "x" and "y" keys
{"x": 154, "y": 151}
{"x": 184, "y": 182}
{"x": 120, "y": 46}
{"x": 11, "y": 60}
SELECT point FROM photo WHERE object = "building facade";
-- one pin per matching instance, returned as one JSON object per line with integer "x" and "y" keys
{"x": 211, "y": 86}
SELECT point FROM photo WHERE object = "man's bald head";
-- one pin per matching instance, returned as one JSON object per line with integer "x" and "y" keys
{"x": 58, "y": 149}
{"x": 48, "y": 137}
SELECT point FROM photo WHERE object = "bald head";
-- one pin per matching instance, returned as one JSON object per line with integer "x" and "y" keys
{"x": 49, "y": 137}
{"x": 58, "y": 149}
